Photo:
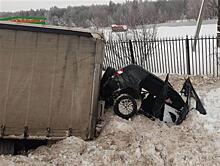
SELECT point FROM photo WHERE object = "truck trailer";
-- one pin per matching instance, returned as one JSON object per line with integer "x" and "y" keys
{"x": 49, "y": 81}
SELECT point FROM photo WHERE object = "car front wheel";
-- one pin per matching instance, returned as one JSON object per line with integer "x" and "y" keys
{"x": 125, "y": 106}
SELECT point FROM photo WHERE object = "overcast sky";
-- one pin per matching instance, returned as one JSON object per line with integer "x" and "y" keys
{"x": 16, "y": 5}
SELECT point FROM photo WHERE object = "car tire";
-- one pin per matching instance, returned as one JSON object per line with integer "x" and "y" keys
{"x": 122, "y": 102}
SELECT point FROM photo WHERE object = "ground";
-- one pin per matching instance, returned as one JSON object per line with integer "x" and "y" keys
{"x": 141, "y": 141}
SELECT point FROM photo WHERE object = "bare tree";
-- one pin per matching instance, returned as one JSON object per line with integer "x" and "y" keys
{"x": 131, "y": 13}
{"x": 193, "y": 8}
{"x": 212, "y": 8}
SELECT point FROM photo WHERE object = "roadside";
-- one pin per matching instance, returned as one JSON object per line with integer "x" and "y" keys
{"x": 141, "y": 141}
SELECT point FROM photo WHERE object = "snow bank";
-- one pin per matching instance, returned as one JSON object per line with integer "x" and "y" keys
{"x": 141, "y": 141}
{"x": 212, "y": 104}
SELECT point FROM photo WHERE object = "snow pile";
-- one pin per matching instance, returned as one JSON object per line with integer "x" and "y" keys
{"x": 141, "y": 141}
{"x": 212, "y": 104}
{"x": 69, "y": 150}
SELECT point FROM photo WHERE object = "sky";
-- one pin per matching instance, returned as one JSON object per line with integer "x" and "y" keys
{"x": 17, "y": 5}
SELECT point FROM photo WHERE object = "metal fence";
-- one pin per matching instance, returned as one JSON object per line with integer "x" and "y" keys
{"x": 169, "y": 55}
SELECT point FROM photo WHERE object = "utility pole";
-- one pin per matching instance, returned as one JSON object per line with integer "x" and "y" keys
{"x": 198, "y": 25}
{"x": 218, "y": 32}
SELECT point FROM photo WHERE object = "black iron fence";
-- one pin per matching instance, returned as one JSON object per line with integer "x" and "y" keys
{"x": 169, "y": 55}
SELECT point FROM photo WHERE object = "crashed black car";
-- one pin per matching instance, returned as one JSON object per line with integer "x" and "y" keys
{"x": 133, "y": 90}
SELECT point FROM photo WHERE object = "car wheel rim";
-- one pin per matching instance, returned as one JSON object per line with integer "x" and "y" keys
{"x": 126, "y": 106}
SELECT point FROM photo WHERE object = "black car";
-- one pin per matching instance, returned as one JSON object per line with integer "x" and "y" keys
{"x": 133, "y": 90}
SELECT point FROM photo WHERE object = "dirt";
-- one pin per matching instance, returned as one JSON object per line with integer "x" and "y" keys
{"x": 141, "y": 141}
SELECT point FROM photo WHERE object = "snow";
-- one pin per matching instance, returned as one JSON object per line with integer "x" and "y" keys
{"x": 169, "y": 30}
{"x": 212, "y": 103}
{"x": 141, "y": 141}
{"x": 182, "y": 31}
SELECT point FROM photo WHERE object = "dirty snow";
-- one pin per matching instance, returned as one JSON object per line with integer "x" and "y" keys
{"x": 141, "y": 141}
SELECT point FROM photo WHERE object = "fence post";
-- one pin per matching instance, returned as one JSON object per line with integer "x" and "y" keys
{"x": 132, "y": 52}
{"x": 187, "y": 56}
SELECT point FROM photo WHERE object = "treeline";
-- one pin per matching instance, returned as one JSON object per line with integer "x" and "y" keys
{"x": 131, "y": 13}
